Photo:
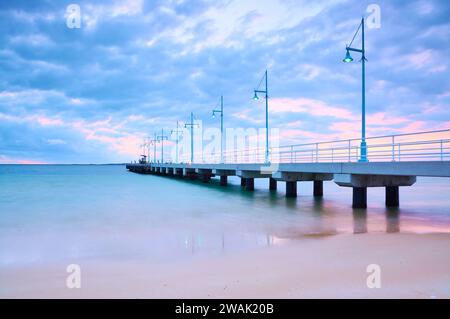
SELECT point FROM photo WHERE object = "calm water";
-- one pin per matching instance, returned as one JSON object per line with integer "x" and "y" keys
{"x": 72, "y": 213}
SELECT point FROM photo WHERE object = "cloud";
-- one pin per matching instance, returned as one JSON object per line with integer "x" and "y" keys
{"x": 93, "y": 13}
{"x": 56, "y": 141}
{"x": 8, "y": 160}
{"x": 230, "y": 23}
{"x": 309, "y": 106}
{"x": 136, "y": 67}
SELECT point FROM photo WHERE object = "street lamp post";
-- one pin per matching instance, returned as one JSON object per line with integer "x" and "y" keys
{"x": 348, "y": 58}
{"x": 255, "y": 97}
{"x": 148, "y": 144}
{"x": 155, "y": 139}
{"x": 144, "y": 145}
{"x": 191, "y": 125}
{"x": 176, "y": 141}
{"x": 161, "y": 138}
{"x": 221, "y": 127}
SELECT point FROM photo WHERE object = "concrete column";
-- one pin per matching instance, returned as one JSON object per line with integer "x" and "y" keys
{"x": 223, "y": 180}
{"x": 291, "y": 189}
{"x": 318, "y": 188}
{"x": 359, "y": 197}
{"x": 392, "y": 196}
{"x": 249, "y": 184}
{"x": 242, "y": 181}
{"x": 272, "y": 184}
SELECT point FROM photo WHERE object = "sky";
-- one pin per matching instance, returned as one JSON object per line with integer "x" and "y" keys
{"x": 91, "y": 94}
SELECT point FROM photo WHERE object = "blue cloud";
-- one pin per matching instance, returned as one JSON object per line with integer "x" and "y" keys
{"x": 137, "y": 66}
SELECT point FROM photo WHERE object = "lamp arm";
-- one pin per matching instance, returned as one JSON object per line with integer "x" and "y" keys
{"x": 354, "y": 50}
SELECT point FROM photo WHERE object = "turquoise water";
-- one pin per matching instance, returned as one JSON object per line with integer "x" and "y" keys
{"x": 54, "y": 213}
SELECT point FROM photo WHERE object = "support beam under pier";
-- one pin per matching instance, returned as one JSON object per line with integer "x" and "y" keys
{"x": 272, "y": 184}
{"x": 359, "y": 197}
{"x": 223, "y": 180}
{"x": 318, "y": 188}
{"x": 392, "y": 196}
{"x": 242, "y": 182}
{"x": 250, "y": 184}
{"x": 291, "y": 189}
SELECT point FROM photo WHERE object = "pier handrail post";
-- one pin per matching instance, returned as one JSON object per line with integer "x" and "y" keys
{"x": 317, "y": 152}
{"x": 349, "y": 150}
{"x": 393, "y": 148}
{"x": 292, "y": 153}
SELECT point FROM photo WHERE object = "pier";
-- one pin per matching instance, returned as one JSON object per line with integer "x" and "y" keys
{"x": 390, "y": 165}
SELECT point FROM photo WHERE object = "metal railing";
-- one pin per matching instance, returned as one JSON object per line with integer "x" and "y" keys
{"x": 419, "y": 146}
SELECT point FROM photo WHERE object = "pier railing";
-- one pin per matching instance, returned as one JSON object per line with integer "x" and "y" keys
{"x": 420, "y": 146}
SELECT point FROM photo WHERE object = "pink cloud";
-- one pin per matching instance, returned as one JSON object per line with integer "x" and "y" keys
{"x": 47, "y": 121}
{"x": 309, "y": 106}
{"x": 9, "y": 160}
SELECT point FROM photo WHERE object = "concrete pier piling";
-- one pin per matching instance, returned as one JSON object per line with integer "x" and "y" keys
{"x": 223, "y": 180}
{"x": 291, "y": 189}
{"x": 359, "y": 197}
{"x": 359, "y": 176}
{"x": 250, "y": 184}
{"x": 318, "y": 188}
{"x": 392, "y": 196}
{"x": 272, "y": 184}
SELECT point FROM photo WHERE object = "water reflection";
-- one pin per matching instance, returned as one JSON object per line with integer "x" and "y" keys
{"x": 359, "y": 221}
{"x": 392, "y": 220}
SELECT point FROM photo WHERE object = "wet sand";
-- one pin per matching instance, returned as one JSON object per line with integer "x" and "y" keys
{"x": 412, "y": 266}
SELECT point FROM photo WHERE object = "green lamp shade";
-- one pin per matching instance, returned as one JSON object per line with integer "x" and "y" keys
{"x": 348, "y": 58}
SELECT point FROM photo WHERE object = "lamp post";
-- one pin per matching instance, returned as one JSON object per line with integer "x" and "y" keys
{"x": 148, "y": 143}
{"x": 221, "y": 127}
{"x": 161, "y": 138}
{"x": 348, "y": 58}
{"x": 155, "y": 139}
{"x": 191, "y": 125}
{"x": 255, "y": 97}
{"x": 176, "y": 141}
{"x": 144, "y": 145}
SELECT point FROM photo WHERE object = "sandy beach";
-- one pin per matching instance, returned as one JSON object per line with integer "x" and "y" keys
{"x": 412, "y": 266}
